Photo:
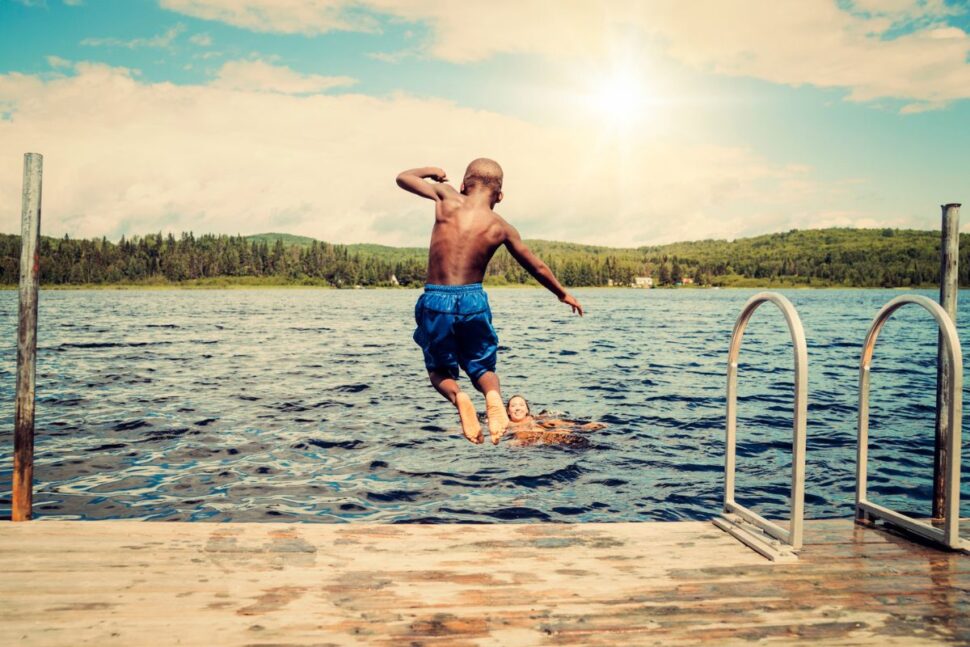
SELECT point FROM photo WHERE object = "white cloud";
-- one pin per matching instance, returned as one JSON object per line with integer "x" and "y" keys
{"x": 202, "y": 40}
{"x": 925, "y": 106}
{"x": 810, "y": 43}
{"x": 57, "y": 61}
{"x": 787, "y": 42}
{"x": 160, "y": 41}
{"x": 74, "y": 3}
{"x": 260, "y": 76}
{"x": 284, "y": 16}
{"x": 901, "y": 13}
{"x": 123, "y": 156}
{"x": 393, "y": 57}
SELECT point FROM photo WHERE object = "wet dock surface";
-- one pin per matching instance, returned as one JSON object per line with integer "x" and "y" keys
{"x": 670, "y": 583}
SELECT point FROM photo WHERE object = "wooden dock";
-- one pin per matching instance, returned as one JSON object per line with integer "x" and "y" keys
{"x": 143, "y": 583}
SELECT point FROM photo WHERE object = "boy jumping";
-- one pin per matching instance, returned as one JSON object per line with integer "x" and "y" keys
{"x": 454, "y": 321}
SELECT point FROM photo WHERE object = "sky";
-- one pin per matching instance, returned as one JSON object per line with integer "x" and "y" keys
{"x": 617, "y": 122}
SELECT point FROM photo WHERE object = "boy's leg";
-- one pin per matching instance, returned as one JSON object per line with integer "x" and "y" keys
{"x": 477, "y": 346}
{"x": 448, "y": 387}
{"x": 498, "y": 418}
{"x": 435, "y": 337}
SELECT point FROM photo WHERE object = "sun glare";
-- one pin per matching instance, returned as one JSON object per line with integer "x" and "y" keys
{"x": 620, "y": 99}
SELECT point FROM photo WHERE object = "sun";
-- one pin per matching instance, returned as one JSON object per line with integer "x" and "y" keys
{"x": 620, "y": 99}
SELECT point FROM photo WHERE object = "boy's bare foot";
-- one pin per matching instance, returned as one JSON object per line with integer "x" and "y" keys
{"x": 469, "y": 419}
{"x": 498, "y": 419}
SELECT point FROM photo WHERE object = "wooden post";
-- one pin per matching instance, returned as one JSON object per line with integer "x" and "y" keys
{"x": 949, "y": 278}
{"x": 23, "y": 439}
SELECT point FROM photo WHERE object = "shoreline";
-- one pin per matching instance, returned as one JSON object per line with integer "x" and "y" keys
{"x": 298, "y": 286}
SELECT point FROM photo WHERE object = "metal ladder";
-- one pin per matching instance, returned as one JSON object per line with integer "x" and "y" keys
{"x": 764, "y": 536}
{"x": 780, "y": 545}
{"x": 865, "y": 510}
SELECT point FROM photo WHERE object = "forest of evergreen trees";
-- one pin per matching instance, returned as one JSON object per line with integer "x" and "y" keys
{"x": 824, "y": 257}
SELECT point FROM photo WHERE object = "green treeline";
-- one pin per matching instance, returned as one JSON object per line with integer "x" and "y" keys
{"x": 823, "y": 257}
{"x": 158, "y": 258}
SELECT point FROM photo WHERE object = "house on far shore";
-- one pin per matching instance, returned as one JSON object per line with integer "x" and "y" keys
{"x": 394, "y": 280}
{"x": 687, "y": 281}
{"x": 642, "y": 282}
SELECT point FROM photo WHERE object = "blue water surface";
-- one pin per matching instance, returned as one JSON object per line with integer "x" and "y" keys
{"x": 313, "y": 405}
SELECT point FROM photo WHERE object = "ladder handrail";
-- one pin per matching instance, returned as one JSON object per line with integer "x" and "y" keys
{"x": 792, "y": 536}
{"x": 950, "y": 535}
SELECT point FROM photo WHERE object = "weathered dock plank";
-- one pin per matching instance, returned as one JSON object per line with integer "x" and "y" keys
{"x": 122, "y": 583}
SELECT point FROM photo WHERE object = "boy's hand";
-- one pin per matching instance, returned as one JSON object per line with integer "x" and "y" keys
{"x": 439, "y": 175}
{"x": 571, "y": 301}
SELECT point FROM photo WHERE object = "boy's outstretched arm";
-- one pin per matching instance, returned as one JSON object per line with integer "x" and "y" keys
{"x": 413, "y": 181}
{"x": 539, "y": 270}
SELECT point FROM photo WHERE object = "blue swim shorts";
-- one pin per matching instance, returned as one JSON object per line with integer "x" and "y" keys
{"x": 455, "y": 330}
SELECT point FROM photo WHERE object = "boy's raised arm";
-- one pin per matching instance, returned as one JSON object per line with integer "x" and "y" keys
{"x": 539, "y": 270}
{"x": 413, "y": 180}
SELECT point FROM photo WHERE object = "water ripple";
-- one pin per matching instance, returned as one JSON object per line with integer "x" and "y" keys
{"x": 252, "y": 405}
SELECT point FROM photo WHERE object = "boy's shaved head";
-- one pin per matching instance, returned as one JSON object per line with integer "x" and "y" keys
{"x": 484, "y": 173}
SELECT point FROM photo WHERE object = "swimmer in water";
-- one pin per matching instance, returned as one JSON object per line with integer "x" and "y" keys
{"x": 454, "y": 322}
{"x": 528, "y": 430}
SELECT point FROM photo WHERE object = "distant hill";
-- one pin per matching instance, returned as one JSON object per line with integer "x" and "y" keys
{"x": 383, "y": 252}
{"x": 814, "y": 257}
{"x": 387, "y": 253}
{"x": 288, "y": 239}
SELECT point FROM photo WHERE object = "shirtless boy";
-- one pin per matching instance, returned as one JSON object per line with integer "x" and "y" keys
{"x": 454, "y": 323}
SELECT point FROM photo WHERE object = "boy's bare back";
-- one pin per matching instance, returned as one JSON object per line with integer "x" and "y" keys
{"x": 467, "y": 231}
{"x": 466, "y": 234}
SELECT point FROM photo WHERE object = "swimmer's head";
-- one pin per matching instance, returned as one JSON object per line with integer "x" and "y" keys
{"x": 518, "y": 408}
{"x": 483, "y": 174}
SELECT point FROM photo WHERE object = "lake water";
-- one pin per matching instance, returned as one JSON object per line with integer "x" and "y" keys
{"x": 313, "y": 405}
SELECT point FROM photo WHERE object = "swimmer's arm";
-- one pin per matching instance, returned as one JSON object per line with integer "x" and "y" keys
{"x": 556, "y": 424}
{"x": 553, "y": 423}
{"x": 413, "y": 180}
{"x": 539, "y": 270}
